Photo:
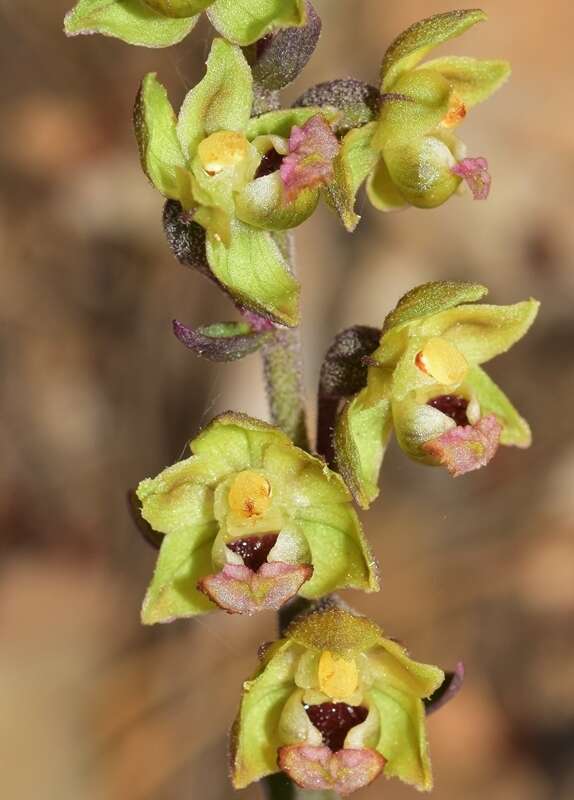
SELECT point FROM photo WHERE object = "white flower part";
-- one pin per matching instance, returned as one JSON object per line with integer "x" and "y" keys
{"x": 291, "y": 547}
{"x": 365, "y": 735}
{"x": 295, "y": 727}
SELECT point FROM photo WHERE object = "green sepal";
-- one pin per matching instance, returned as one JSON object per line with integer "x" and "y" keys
{"x": 256, "y": 736}
{"x": 243, "y": 26}
{"x": 340, "y": 554}
{"x": 221, "y": 101}
{"x": 381, "y": 190}
{"x": 132, "y": 21}
{"x": 431, "y": 298}
{"x": 233, "y": 442}
{"x": 262, "y": 203}
{"x": 482, "y": 332}
{"x": 184, "y": 558}
{"x": 280, "y": 123}
{"x": 155, "y": 130}
{"x": 492, "y": 400}
{"x": 335, "y": 629}
{"x": 403, "y": 737}
{"x": 178, "y": 9}
{"x": 355, "y": 160}
{"x": 255, "y": 273}
{"x": 361, "y": 435}
{"x": 412, "y": 45}
{"x": 472, "y": 80}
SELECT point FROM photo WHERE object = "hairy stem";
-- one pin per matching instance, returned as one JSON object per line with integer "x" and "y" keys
{"x": 282, "y": 366}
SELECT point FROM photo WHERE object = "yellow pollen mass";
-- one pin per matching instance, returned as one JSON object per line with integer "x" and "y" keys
{"x": 221, "y": 150}
{"x": 442, "y": 361}
{"x": 338, "y": 676}
{"x": 250, "y": 494}
{"x": 456, "y": 113}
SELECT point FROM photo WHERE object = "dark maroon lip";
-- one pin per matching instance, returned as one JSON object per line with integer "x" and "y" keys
{"x": 453, "y": 405}
{"x": 254, "y": 550}
{"x": 335, "y": 720}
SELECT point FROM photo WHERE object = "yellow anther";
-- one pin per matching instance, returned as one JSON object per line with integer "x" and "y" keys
{"x": 455, "y": 114}
{"x": 221, "y": 150}
{"x": 442, "y": 361}
{"x": 249, "y": 495}
{"x": 338, "y": 676}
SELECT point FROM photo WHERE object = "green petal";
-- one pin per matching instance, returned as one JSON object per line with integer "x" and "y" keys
{"x": 280, "y": 123}
{"x": 178, "y": 9}
{"x": 234, "y": 442}
{"x": 419, "y": 39}
{"x": 255, "y": 737}
{"x": 355, "y": 160}
{"x": 255, "y": 273}
{"x": 221, "y": 101}
{"x": 430, "y": 298}
{"x": 129, "y": 20}
{"x": 262, "y": 203}
{"x": 245, "y": 23}
{"x": 484, "y": 331}
{"x": 381, "y": 190}
{"x": 421, "y": 103}
{"x": 303, "y": 480}
{"x": 340, "y": 554}
{"x": 179, "y": 497}
{"x": 155, "y": 129}
{"x": 403, "y": 740}
{"x": 184, "y": 558}
{"x": 391, "y": 665}
{"x": 422, "y": 171}
{"x": 472, "y": 80}
{"x": 361, "y": 436}
{"x": 492, "y": 400}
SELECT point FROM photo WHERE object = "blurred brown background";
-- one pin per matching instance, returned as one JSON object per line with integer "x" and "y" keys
{"x": 96, "y": 393}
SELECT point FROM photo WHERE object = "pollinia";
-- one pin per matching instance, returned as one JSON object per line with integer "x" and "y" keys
{"x": 258, "y": 516}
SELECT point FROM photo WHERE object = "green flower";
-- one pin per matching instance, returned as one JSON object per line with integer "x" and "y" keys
{"x": 334, "y": 704}
{"x": 213, "y": 158}
{"x": 425, "y": 382}
{"x": 410, "y": 155}
{"x": 160, "y": 23}
{"x": 249, "y": 520}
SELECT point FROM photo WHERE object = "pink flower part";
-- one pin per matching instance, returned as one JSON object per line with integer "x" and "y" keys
{"x": 239, "y": 590}
{"x": 309, "y": 162}
{"x": 317, "y": 768}
{"x": 258, "y": 324}
{"x": 475, "y": 172}
{"x": 464, "y": 449}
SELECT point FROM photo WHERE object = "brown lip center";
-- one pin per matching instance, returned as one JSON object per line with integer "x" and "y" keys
{"x": 454, "y": 406}
{"x": 254, "y": 549}
{"x": 335, "y": 720}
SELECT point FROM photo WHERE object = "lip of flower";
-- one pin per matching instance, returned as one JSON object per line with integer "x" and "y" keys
{"x": 473, "y": 440}
{"x": 332, "y": 765}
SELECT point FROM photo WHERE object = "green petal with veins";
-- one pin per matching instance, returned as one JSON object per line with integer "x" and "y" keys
{"x": 132, "y": 21}
{"x": 412, "y": 45}
{"x": 221, "y": 101}
{"x": 246, "y": 21}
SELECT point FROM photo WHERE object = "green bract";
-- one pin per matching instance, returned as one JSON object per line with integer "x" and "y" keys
{"x": 334, "y": 704}
{"x": 410, "y": 155}
{"x": 425, "y": 382}
{"x": 249, "y": 520}
{"x": 160, "y": 23}
{"x": 207, "y": 159}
